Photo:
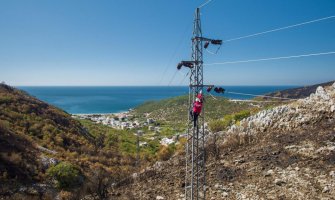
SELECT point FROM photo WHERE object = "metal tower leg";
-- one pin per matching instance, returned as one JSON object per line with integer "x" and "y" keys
{"x": 195, "y": 155}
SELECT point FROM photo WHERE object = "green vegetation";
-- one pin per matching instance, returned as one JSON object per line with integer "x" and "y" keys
{"x": 31, "y": 130}
{"x": 67, "y": 176}
{"x": 227, "y": 120}
{"x": 122, "y": 141}
{"x": 165, "y": 152}
{"x": 220, "y": 112}
{"x": 241, "y": 115}
{"x": 174, "y": 111}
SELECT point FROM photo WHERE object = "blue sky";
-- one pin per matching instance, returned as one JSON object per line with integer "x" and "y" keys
{"x": 132, "y": 42}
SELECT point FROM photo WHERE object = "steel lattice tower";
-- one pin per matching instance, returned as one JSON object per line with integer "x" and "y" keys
{"x": 195, "y": 178}
{"x": 195, "y": 152}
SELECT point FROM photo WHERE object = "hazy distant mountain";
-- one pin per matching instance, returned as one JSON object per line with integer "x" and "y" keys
{"x": 297, "y": 93}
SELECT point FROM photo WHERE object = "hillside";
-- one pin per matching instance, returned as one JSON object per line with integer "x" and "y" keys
{"x": 45, "y": 152}
{"x": 300, "y": 92}
{"x": 220, "y": 112}
{"x": 287, "y": 152}
{"x": 283, "y": 152}
{"x": 175, "y": 110}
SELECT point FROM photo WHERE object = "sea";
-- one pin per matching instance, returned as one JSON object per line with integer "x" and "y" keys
{"x": 114, "y": 99}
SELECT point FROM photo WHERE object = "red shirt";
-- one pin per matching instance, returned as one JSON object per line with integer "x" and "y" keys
{"x": 199, "y": 96}
{"x": 197, "y": 106}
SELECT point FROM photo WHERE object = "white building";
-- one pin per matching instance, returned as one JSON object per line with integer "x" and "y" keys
{"x": 166, "y": 141}
{"x": 150, "y": 120}
{"x": 157, "y": 129}
{"x": 151, "y": 128}
{"x": 124, "y": 125}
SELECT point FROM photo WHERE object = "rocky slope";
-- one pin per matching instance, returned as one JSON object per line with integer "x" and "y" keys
{"x": 311, "y": 110}
{"x": 287, "y": 152}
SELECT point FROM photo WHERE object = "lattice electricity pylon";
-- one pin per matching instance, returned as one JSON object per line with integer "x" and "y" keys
{"x": 195, "y": 155}
{"x": 195, "y": 178}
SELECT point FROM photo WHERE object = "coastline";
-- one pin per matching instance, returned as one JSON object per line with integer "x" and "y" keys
{"x": 114, "y": 100}
{"x": 87, "y": 114}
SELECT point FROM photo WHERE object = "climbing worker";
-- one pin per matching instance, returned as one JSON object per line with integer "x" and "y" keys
{"x": 199, "y": 96}
{"x": 197, "y": 107}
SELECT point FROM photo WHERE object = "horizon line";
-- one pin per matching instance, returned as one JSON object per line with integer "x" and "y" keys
{"x": 142, "y": 85}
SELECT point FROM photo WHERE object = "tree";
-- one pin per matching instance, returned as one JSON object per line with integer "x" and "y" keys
{"x": 66, "y": 175}
{"x": 165, "y": 153}
{"x": 100, "y": 181}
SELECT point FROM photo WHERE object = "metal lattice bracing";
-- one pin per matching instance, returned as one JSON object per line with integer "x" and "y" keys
{"x": 195, "y": 155}
{"x": 195, "y": 178}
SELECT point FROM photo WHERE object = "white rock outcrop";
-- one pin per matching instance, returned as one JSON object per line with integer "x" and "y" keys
{"x": 309, "y": 110}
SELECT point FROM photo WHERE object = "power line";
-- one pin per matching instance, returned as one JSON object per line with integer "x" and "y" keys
{"x": 182, "y": 39}
{"x": 184, "y": 77}
{"x": 207, "y": 2}
{"x": 273, "y": 58}
{"x": 214, "y": 53}
{"x": 253, "y": 101}
{"x": 210, "y": 52}
{"x": 174, "y": 75}
{"x": 279, "y": 29}
{"x": 256, "y": 95}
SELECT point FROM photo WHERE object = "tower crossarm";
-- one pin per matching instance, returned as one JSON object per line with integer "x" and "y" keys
{"x": 189, "y": 64}
{"x": 216, "y": 42}
{"x": 201, "y": 85}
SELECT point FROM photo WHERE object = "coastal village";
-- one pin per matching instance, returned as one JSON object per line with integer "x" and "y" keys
{"x": 123, "y": 121}
{"x": 144, "y": 126}
{"x": 167, "y": 100}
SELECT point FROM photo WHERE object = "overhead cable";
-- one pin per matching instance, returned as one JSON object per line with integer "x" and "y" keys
{"x": 207, "y": 2}
{"x": 279, "y": 29}
{"x": 182, "y": 81}
{"x": 273, "y": 58}
{"x": 253, "y": 101}
{"x": 255, "y": 95}
{"x": 174, "y": 75}
{"x": 182, "y": 39}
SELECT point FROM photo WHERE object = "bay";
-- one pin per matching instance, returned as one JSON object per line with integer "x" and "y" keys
{"x": 112, "y": 99}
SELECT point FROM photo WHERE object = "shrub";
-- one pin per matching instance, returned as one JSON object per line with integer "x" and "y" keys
{"x": 216, "y": 125}
{"x": 241, "y": 115}
{"x": 221, "y": 124}
{"x": 6, "y": 99}
{"x": 36, "y": 128}
{"x": 15, "y": 158}
{"x": 4, "y": 125}
{"x": 180, "y": 147}
{"x": 110, "y": 140}
{"x": 99, "y": 181}
{"x": 48, "y": 129}
{"x": 66, "y": 175}
{"x": 165, "y": 153}
{"x": 233, "y": 141}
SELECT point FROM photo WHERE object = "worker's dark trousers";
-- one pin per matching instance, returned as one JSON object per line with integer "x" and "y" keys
{"x": 194, "y": 117}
